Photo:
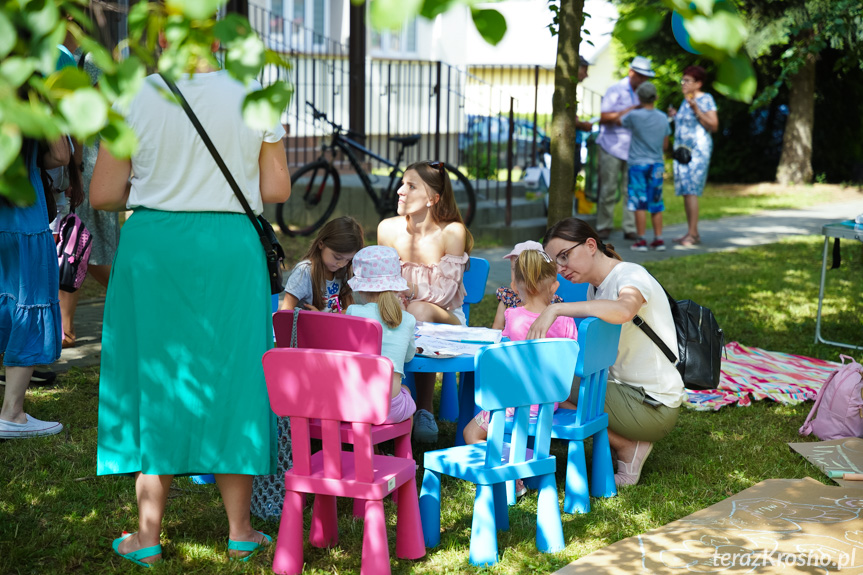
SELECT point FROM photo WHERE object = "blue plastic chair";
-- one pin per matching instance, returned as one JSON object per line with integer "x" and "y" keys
{"x": 511, "y": 374}
{"x": 569, "y": 291}
{"x": 475, "y": 278}
{"x": 597, "y": 351}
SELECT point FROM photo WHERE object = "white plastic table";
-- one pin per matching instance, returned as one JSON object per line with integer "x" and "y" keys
{"x": 841, "y": 230}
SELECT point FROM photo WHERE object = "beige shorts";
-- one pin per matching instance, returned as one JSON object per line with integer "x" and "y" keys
{"x": 630, "y": 417}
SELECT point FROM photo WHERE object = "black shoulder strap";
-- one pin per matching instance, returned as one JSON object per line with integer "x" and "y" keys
{"x": 648, "y": 331}
{"x": 215, "y": 153}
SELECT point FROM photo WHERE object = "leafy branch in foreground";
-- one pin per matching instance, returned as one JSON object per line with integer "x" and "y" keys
{"x": 39, "y": 102}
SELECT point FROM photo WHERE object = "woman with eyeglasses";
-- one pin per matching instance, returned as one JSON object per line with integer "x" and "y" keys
{"x": 644, "y": 390}
{"x": 434, "y": 248}
{"x": 694, "y": 123}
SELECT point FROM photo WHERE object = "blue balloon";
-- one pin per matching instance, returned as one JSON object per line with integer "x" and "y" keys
{"x": 680, "y": 33}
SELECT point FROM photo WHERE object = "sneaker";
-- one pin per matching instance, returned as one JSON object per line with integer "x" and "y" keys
{"x": 520, "y": 488}
{"x": 425, "y": 427}
{"x": 640, "y": 246}
{"x": 33, "y": 428}
{"x": 658, "y": 245}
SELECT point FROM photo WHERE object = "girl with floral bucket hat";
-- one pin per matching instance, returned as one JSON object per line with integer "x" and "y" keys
{"x": 376, "y": 284}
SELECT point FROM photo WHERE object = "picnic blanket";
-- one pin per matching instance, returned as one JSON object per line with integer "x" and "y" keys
{"x": 750, "y": 373}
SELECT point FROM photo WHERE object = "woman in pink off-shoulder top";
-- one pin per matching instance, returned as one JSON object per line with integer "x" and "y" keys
{"x": 434, "y": 246}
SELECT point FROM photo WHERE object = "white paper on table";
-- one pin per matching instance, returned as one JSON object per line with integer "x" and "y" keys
{"x": 437, "y": 347}
{"x": 459, "y": 333}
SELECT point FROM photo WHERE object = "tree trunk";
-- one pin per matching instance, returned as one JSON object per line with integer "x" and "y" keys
{"x": 563, "y": 105}
{"x": 795, "y": 164}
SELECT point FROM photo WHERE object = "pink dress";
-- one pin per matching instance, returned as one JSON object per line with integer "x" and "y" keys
{"x": 440, "y": 284}
{"x": 517, "y": 323}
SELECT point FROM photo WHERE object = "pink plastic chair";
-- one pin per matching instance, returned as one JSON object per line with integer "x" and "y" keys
{"x": 311, "y": 383}
{"x": 321, "y": 330}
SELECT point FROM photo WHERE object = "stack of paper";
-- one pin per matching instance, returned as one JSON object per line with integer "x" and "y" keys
{"x": 442, "y": 340}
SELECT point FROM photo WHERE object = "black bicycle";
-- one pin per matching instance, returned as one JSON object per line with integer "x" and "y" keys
{"x": 316, "y": 186}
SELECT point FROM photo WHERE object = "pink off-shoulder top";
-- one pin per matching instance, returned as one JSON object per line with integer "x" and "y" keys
{"x": 440, "y": 284}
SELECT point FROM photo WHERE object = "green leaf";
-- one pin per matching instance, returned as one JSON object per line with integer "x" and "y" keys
{"x": 15, "y": 184}
{"x": 638, "y": 25}
{"x": 431, "y": 9}
{"x": 392, "y": 14}
{"x": 8, "y": 35}
{"x": 10, "y": 145}
{"x": 66, "y": 80}
{"x": 263, "y": 109}
{"x": 195, "y": 9}
{"x": 17, "y": 70}
{"x": 490, "y": 24}
{"x": 118, "y": 138}
{"x": 41, "y": 17}
{"x": 34, "y": 118}
{"x": 45, "y": 51}
{"x": 735, "y": 79}
{"x": 721, "y": 34}
{"x": 125, "y": 83}
{"x": 85, "y": 111}
{"x": 245, "y": 57}
{"x": 100, "y": 55}
{"x": 231, "y": 27}
{"x": 704, "y": 6}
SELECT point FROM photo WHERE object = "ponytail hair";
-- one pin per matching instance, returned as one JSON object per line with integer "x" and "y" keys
{"x": 578, "y": 231}
{"x": 533, "y": 269}
{"x": 388, "y": 306}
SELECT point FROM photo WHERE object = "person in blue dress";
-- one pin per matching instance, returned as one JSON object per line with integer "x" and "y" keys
{"x": 694, "y": 122}
{"x": 30, "y": 323}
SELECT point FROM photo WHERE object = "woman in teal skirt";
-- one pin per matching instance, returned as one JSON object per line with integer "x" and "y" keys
{"x": 187, "y": 314}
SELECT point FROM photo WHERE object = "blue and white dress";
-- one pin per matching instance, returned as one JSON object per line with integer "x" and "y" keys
{"x": 31, "y": 330}
{"x": 689, "y": 179}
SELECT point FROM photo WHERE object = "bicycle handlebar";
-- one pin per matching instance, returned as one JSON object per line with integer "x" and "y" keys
{"x": 318, "y": 115}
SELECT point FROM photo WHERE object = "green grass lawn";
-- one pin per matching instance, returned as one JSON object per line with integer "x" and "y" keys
{"x": 56, "y": 517}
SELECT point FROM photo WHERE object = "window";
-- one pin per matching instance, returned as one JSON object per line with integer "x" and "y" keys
{"x": 389, "y": 42}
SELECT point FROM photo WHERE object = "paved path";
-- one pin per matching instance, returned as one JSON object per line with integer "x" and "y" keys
{"x": 716, "y": 235}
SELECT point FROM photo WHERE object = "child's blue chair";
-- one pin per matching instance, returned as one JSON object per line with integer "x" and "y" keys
{"x": 570, "y": 292}
{"x": 510, "y": 374}
{"x": 597, "y": 351}
{"x": 474, "y": 279}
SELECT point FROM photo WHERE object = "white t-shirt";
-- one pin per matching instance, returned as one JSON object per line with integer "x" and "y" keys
{"x": 639, "y": 362}
{"x": 172, "y": 169}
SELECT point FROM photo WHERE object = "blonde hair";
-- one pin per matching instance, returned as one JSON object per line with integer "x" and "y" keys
{"x": 533, "y": 269}
{"x": 343, "y": 235}
{"x": 388, "y": 306}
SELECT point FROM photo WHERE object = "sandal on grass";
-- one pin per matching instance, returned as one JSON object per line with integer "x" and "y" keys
{"x": 136, "y": 556}
{"x": 630, "y": 473}
{"x": 251, "y": 547}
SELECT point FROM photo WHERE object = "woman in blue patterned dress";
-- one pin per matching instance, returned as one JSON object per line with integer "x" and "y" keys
{"x": 694, "y": 123}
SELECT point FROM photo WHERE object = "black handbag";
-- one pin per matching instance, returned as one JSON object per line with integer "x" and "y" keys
{"x": 700, "y": 342}
{"x": 272, "y": 248}
{"x": 682, "y": 154}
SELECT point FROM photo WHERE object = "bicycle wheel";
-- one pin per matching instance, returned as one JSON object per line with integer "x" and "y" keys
{"x": 468, "y": 211}
{"x": 315, "y": 190}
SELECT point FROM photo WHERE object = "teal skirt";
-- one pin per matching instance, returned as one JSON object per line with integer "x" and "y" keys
{"x": 187, "y": 320}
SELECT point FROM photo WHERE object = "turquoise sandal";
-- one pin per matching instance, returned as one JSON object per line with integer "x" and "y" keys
{"x": 250, "y": 546}
{"x": 136, "y": 556}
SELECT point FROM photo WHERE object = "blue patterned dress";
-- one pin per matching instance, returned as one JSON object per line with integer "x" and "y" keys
{"x": 689, "y": 179}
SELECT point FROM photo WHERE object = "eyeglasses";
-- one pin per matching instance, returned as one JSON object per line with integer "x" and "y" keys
{"x": 563, "y": 256}
{"x": 687, "y": 81}
{"x": 439, "y": 166}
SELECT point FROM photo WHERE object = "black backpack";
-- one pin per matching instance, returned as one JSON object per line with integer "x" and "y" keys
{"x": 700, "y": 342}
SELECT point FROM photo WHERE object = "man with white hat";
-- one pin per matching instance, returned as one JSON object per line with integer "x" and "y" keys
{"x": 613, "y": 143}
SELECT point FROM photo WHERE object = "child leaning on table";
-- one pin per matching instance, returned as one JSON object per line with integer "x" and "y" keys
{"x": 319, "y": 281}
{"x": 535, "y": 281}
{"x": 376, "y": 284}
{"x": 506, "y": 296}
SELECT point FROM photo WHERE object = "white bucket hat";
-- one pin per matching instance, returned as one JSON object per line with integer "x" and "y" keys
{"x": 643, "y": 66}
{"x": 377, "y": 269}
{"x": 528, "y": 245}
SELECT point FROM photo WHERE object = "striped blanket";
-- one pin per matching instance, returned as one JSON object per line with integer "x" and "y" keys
{"x": 750, "y": 373}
